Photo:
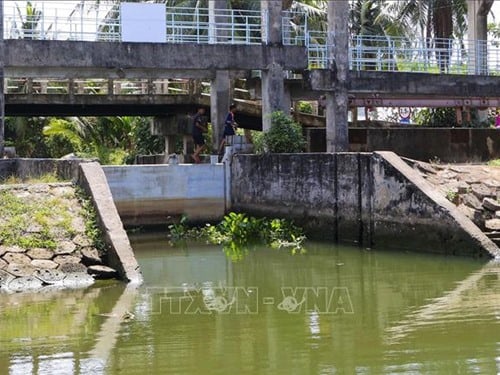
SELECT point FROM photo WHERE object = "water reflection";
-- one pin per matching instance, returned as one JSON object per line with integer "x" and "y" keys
{"x": 52, "y": 332}
{"x": 333, "y": 310}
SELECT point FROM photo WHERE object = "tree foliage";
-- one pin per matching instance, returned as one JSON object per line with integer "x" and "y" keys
{"x": 284, "y": 136}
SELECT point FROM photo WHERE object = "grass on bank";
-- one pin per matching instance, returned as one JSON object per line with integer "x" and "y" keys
{"x": 44, "y": 179}
{"x": 494, "y": 163}
{"x": 29, "y": 222}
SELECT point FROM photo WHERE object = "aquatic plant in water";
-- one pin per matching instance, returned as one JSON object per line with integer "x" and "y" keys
{"x": 238, "y": 233}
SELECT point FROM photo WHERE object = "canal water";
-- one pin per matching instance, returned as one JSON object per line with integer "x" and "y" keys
{"x": 333, "y": 310}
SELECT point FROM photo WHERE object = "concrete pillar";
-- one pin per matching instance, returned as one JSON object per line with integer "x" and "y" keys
{"x": 273, "y": 94}
{"x": 273, "y": 84}
{"x": 337, "y": 103}
{"x": 2, "y": 97}
{"x": 170, "y": 142}
{"x": 271, "y": 21}
{"x": 220, "y": 99}
{"x": 220, "y": 87}
{"x": 477, "y": 14}
{"x": 287, "y": 100}
{"x": 215, "y": 17}
{"x": 170, "y": 128}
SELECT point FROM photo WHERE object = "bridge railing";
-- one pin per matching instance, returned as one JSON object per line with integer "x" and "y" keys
{"x": 97, "y": 86}
{"x": 61, "y": 20}
{"x": 294, "y": 28}
{"x": 393, "y": 54}
{"x": 195, "y": 25}
{"x": 91, "y": 21}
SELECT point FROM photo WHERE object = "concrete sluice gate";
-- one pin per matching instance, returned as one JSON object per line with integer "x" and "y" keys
{"x": 370, "y": 199}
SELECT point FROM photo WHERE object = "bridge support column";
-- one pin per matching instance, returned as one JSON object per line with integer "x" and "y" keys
{"x": 477, "y": 18}
{"x": 169, "y": 127}
{"x": 273, "y": 84}
{"x": 273, "y": 94}
{"x": 337, "y": 103}
{"x": 216, "y": 16}
{"x": 220, "y": 98}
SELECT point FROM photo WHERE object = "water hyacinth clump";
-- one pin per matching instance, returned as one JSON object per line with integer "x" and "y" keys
{"x": 238, "y": 233}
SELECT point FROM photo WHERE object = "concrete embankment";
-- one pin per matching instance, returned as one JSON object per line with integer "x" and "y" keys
{"x": 372, "y": 199}
{"x": 120, "y": 253}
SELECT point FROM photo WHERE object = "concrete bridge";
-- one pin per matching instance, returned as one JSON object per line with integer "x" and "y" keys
{"x": 229, "y": 50}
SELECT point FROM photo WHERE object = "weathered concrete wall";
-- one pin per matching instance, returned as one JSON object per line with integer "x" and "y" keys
{"x": 66, "y": 169}
{"x": 120, "y": 255}
{"x": 450, "y": 145}
{"x": 411, "y": 84}
{"x": 364, "y": 198}
{"x": 120, "y": 60}
{"x": 156, "y": 194}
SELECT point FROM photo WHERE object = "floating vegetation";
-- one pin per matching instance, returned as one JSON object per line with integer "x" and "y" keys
{"x": 238, "y": 233}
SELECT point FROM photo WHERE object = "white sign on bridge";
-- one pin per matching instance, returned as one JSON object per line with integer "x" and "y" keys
{"x": 143, "y": 22}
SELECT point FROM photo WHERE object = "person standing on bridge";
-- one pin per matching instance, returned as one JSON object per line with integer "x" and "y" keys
{"x": 199, "y": 127}
{"x": 229, "y": 127}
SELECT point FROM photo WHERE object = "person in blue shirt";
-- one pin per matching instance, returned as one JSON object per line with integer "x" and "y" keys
{"x": 199, "y": 127}
{"x": 229, "y": 127}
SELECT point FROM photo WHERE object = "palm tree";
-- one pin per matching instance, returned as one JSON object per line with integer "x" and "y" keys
{"x": 111, "y": 139}
{"x": 29, "y": 28}
{"x": 436, "y": 21}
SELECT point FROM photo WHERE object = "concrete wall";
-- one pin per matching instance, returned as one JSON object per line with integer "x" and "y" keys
{"x": 66, "y": 169}
{"x": 450, "y": 145}
{"x": 65, "y": 59}
{"x": 120, "y": 255}
{"x": 412, "y": 85}
{"x": 374, "y": 200}
{"x": 157, "y": 194}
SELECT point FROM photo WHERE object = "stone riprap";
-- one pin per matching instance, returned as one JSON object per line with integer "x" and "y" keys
{"x": 74, "y": 262}
{"x": 474, "y": 189}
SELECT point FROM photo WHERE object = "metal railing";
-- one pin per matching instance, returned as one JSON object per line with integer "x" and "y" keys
{"x": 294, "y": 28}
{"x": 61, "y": 20}
{"x": 395, "y": 54}
{"x": 424, "y": 55}
{"x": 91, "y": 21}
{"x": 201, "y": 25}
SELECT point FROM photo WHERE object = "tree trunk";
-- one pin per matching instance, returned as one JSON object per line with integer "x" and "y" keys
{"x": 287, "y": 4}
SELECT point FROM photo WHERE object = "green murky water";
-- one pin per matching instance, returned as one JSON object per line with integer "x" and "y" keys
{"x": 334, "y": 310}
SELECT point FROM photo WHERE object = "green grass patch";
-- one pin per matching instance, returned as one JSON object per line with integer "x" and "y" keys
{"x": 92, "y": 229}
{"x": 27, "y": 222}
{"x": 44, "y": 179}
{"x": 34, "y": 222}
{"x": 494, "y": 163}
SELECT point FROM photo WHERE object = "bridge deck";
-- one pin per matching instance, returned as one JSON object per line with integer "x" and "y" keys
{"x": 113, "y": 21}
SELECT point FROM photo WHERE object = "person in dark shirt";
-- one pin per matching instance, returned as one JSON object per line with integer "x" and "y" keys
{"x": 199, "y": 127}
{"x": 229, "y": 127}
